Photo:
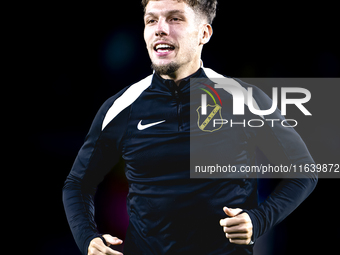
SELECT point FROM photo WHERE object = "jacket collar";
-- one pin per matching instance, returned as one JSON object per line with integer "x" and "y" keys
{"x": 168, "y": 84}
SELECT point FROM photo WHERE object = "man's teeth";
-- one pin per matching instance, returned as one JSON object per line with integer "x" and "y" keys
{"x": 163, "y": 47}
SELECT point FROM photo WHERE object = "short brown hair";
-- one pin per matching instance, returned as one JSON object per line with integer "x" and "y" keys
{"x": 205, "y": 7}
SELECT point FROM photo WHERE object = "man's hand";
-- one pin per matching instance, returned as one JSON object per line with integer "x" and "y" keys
{"x": 97, "y": 246}
{"x": 237, "y": 227}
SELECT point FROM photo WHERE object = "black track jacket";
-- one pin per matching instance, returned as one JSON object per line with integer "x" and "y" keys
{"x": 148, "y": 125}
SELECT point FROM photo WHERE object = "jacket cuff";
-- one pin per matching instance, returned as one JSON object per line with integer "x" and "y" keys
{"x": 256, "y": 224}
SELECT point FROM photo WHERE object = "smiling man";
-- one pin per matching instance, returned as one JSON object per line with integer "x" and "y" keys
{"x": 170, "y": 213}
{"x": 175, "y": 34}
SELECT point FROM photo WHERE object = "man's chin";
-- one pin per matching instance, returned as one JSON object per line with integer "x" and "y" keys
{"x": 165, "y": 69}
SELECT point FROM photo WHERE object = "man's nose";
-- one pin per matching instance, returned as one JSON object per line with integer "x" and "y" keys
{"x": 162, "y": 28}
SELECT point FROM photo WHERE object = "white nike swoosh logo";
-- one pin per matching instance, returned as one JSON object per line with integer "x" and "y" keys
{"x": 142, "y": 127}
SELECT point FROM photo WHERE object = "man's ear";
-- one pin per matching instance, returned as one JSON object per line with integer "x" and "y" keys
{"x": 207, "y": 32}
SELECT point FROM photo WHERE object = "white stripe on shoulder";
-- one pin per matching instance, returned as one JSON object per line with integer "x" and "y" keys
{"x": 229, "y": 81}
{"x": 126, "y": 99}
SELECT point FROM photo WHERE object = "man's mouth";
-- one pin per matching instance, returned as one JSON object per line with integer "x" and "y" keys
{"x": 163, "y": 48}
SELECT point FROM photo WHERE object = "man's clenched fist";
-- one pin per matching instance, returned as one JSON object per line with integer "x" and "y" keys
{"x": 237, "y": 227}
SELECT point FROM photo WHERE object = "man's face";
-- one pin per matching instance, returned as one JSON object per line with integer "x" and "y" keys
{"x": 172, "y": 35}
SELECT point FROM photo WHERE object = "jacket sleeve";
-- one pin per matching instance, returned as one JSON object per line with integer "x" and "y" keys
{"x": 97, "y": 156}
{"x": 282, "y": 146}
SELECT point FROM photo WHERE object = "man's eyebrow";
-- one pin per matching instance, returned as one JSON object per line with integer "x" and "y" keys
{"x": 171, "y": 12}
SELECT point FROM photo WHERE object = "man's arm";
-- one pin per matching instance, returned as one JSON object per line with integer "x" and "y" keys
{"x": 281, "y": 145}
{"x": 282, "y": 202}
{"x": 97, "y": 156}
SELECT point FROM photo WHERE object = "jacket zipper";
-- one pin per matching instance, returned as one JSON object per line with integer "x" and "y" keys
{"x": 179, "y": 109}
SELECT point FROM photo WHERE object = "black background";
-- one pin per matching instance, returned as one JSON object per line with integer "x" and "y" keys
{"x": 69, "y": 58}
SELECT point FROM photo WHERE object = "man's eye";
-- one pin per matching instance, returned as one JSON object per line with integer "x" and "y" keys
{"x": 150, "y": 21}
{"x": 175, "y": 19}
